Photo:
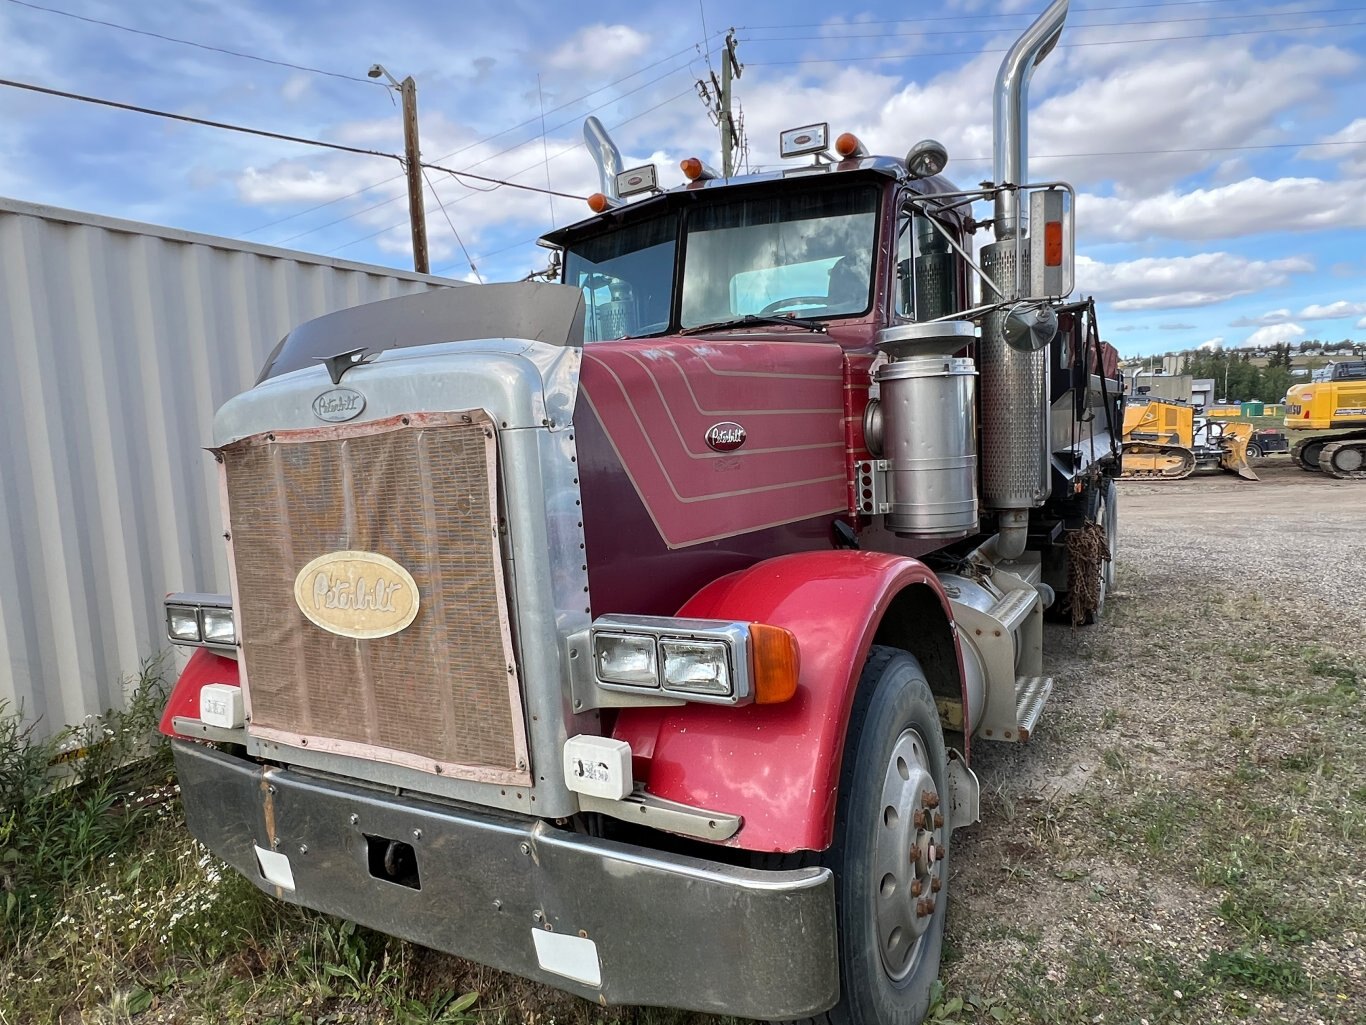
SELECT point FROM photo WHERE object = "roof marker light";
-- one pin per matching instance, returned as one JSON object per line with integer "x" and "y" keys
{"x": 849, "y": 147}
{"x": 695, "y": 170}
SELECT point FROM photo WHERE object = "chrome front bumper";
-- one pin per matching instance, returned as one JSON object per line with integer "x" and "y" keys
{"x": 606, "y": 920}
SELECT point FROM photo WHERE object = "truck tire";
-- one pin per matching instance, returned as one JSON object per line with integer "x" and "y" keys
{"x": 890, "y": 855}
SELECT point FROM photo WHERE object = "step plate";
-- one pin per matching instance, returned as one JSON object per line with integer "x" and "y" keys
{"x": 1031, "y": 694}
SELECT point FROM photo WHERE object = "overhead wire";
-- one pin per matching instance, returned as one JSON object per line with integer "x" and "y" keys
{"x": 835, "y": 37}
{"x": 489, "y": 138}
{"x": 191, "y": 42}
{"x": 1061, "y": 46}
{"x": 451, "y": 224}
{"x": 263, "y": 133}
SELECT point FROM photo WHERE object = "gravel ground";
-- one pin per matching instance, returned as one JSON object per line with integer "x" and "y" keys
{"x": 1182, "y": 839}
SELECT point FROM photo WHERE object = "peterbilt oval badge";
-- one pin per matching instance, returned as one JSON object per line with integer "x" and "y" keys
{"x": 357, "y": 594}
{"x": 725, "y": 437}
{"x": 338, "y": 404}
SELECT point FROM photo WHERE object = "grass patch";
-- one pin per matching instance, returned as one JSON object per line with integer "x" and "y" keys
{"x": 1255, "y": 970}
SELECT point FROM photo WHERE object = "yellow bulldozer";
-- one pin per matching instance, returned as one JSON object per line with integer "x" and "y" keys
{"x": 1336, "y": 402}
{"x": 1165, "y": 440}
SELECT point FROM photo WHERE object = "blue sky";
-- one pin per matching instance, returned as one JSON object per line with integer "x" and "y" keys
{"x": 1219, "y": 147}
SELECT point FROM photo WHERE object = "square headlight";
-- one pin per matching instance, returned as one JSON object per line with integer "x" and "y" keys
{"x": 182, "y": 624}
{"x": 626, "y": 658}
{"x": 697, "y": 667}
{"x": 218, "y": 626}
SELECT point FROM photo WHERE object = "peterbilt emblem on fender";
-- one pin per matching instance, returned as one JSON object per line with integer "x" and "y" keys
{"x": 338, "y": 404}
{"x": 357, "y": 594}
{"x": 725, "y": 437}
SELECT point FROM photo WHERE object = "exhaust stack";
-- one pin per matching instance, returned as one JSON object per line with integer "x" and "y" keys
{"x": 1010, "y": 112}
{"x": 606, "y": 155}
{"x": 1016, "y": 443}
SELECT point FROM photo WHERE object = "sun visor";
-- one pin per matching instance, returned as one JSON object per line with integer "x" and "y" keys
{"x": 544, "y": 313}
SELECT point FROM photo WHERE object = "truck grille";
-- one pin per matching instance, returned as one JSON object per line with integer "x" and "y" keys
{"x": 440, "y": 695}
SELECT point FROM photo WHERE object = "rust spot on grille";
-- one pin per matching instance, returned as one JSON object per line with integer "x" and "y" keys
{"x": 419, "y": 490}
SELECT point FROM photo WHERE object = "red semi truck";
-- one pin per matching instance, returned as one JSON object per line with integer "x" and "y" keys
{"x": 632, "y": 634}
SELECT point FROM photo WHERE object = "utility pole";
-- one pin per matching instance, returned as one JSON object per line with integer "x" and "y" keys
{"x": 412, "y": 165}
{"x": 720, "y": 108}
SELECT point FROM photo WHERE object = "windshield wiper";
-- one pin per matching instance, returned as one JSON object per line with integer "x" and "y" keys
{"x": 810, "y": 324}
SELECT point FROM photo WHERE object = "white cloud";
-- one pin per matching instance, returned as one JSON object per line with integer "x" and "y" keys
{"x": 1216, "y": 342}
{"x": 1176, "y": 326}
{"x": 1361, "y": 322}
{"x": 1274, "y": 334}
{"x": 1280, "y": 316}
{"x": 1155, "y": 283}
{"x": 597, "y": 47}
{"x": 1349, "y": 148}
{"x": 1340, "y": 310}
{"x": 1250, "y": 207}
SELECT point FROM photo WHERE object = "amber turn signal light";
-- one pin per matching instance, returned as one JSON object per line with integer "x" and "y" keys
{"x": 597, "y": 202}
{"x": 692, "y": 168}
{"x": 848, "y": 145}
{"x": 775, "y": 662}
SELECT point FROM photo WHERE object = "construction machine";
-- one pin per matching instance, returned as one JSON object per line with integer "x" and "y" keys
{"x": 1165, "y": 440}
{"x": 1335, "y": 403}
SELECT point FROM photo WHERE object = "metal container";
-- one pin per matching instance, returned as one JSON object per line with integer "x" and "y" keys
{"x": 119, "y": 341}
{"x": 930, "y": 443}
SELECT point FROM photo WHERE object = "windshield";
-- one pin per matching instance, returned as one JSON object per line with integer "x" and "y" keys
{"x": 627, "y": 277}
{"x": 806, "y": 253}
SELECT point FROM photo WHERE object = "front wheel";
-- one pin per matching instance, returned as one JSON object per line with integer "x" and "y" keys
{"x": 890, "y": 856}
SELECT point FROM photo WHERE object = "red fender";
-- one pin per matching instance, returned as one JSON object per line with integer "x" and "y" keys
{"x": 779, "y": 765}
{"x": 204, "y": 667}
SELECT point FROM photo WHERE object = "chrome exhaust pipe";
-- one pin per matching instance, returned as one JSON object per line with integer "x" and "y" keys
{"x": 1010, "y": 109}
{"x": 605, "y": 155}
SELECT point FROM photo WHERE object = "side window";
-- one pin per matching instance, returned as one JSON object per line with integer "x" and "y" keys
{"x": 926, "y": 269}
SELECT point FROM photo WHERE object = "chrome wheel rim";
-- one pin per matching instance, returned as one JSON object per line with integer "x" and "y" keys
{"x": 907, "y": 878}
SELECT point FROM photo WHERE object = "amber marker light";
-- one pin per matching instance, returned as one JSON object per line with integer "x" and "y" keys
{"x": 597, "y": 202}
{"x": 775, "y": 663}
{"x": 1052, "y": 244}
{"x": 692, "y": 168}
{"x": 848, "y": 145}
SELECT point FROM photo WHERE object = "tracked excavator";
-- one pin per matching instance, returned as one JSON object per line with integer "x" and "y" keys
{"x": 1165, "y": 440}
{"x": 1337, "y": 402}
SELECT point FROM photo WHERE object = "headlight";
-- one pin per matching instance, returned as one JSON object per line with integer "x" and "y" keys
{"x": 200, "y": 619}
{"x": 622, "y": 658}
{"x": 698, "y": 667}
{"x": 218, "y": 628}
{"x": 685, "y": 659}
{"x": 182, "y": 624}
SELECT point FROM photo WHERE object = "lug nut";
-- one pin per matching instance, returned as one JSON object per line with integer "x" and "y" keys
{"x": 916, "y": 888}
{"x": 935, "y": 885}
{"x": 929, "y": 799}
{"x": 939, "y": 820}
{"x": 918, "y": 819}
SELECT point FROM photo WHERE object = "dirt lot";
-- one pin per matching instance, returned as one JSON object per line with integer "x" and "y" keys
{"x": 1182, "y": 840}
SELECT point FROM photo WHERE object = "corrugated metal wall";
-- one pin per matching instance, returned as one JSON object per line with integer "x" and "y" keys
{"x": 117, "y": 343}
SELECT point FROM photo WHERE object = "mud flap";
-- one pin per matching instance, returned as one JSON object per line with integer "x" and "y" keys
{"x": 965, "y": 793}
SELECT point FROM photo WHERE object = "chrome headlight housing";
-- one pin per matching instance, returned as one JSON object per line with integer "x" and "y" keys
{"x": 201, "y": 620}
{"x": 689, "y": 659}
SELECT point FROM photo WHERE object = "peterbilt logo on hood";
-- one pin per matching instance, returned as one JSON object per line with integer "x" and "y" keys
{"x": 338, "y": 404}
{"x": 357, "y": 594}
{"x": 725, "y": 437}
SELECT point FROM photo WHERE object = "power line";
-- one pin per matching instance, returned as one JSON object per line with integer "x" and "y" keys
{"x": 191, "y": 42}
{"x": 998, "y": 14}
{"x": 245, "y": 130}
{"x": 484, "y": 160}
{"x": 505, "y": 131}
{"x": 1064, "y": 46}
{"x": 1099, "y": 24}
{"x": 458, "y": 239}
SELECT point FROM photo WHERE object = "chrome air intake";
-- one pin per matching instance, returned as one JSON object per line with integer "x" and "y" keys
{"x": 1015, "y": 427}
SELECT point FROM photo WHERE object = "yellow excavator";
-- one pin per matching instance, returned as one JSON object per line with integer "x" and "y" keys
{"x": 1165, "y": 440}
{"x": 1336, "y": 402}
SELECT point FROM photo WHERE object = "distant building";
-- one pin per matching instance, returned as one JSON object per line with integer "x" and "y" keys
{"x": 1174, "y": 387}
{"x": 1202, "y": 392}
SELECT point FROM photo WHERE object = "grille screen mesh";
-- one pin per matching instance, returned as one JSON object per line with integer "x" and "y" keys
{"x": 438, "y": 695}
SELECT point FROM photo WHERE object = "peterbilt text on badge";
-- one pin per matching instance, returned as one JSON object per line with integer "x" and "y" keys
{"x": 338, "y": 405}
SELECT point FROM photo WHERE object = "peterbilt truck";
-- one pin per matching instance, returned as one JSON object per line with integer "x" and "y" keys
{"x": 634, "y": 633}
